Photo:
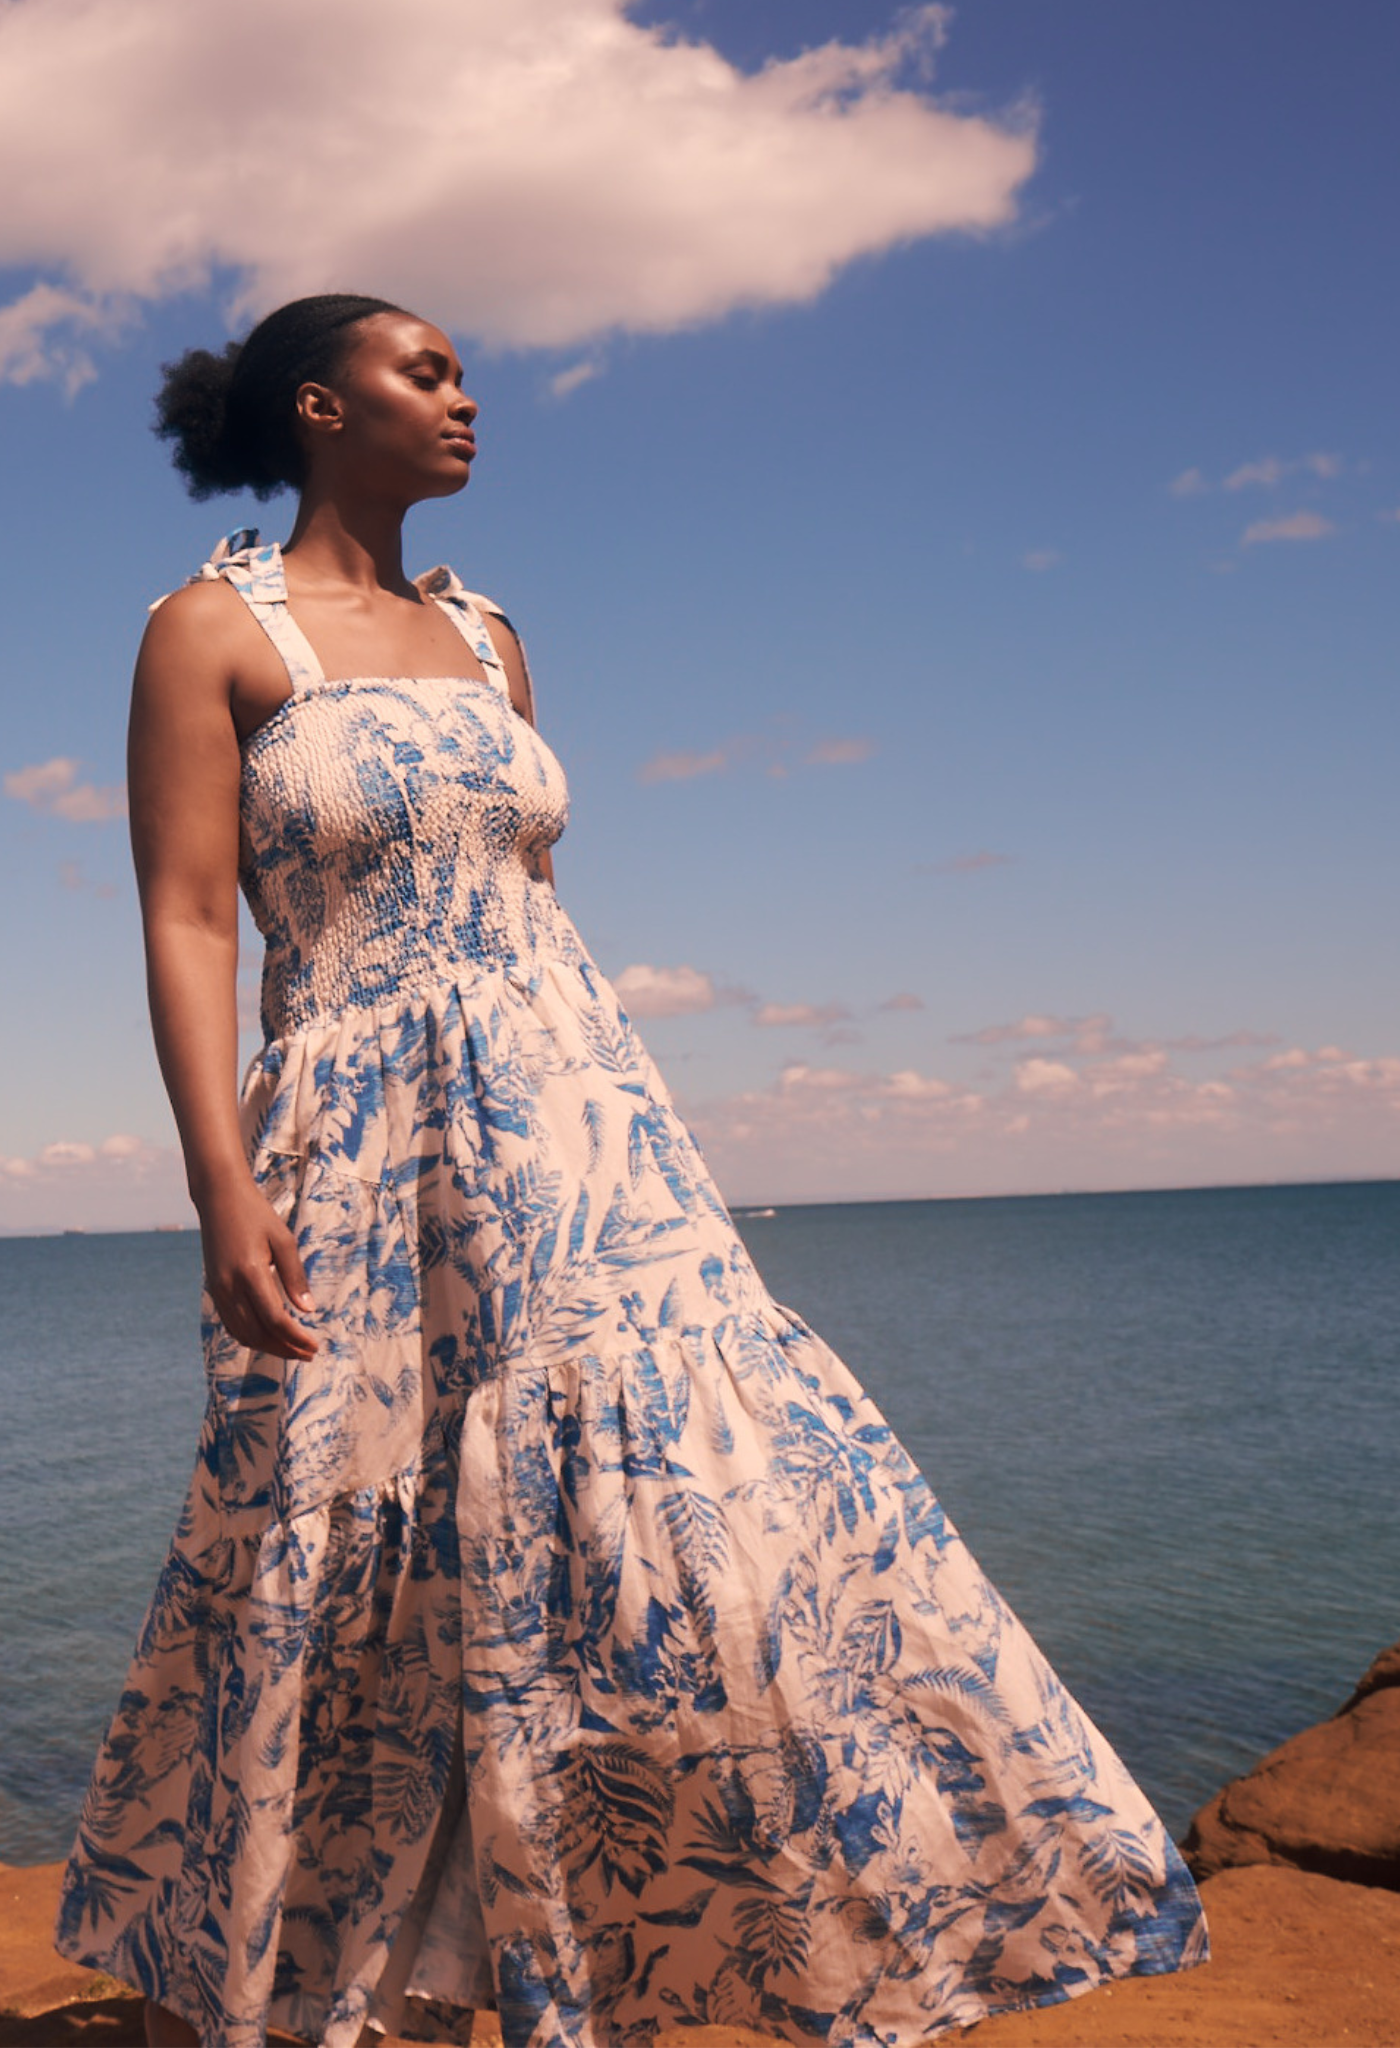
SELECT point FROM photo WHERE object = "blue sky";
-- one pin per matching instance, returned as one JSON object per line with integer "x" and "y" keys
{"x": 975, "y": 676}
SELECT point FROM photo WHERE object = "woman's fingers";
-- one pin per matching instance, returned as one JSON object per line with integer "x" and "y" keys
{"x": 258, "y": 1316}
{"x": 256, "y": 1279}
{"x": 290, "y": 1270}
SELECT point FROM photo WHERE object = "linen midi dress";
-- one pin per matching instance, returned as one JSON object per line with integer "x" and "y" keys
{"x": 570, "y": 1634}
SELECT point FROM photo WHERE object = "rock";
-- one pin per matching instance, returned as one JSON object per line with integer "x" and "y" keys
{"x": 33, "y": 1979}
{"x": 1296, "y": 1961}
{"x": 1326, "y": 1801}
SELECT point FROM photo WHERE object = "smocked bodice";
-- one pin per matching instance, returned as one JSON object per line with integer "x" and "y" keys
{"x": 390, "y": 825}
{"x": 388, "y": 831}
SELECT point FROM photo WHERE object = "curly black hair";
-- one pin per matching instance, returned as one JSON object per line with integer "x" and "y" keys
{"x": 232, "y": 416}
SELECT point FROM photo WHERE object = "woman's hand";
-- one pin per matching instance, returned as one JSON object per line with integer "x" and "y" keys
{"x": 253, "y": 1272}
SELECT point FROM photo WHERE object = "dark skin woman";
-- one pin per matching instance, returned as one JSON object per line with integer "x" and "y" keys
{"x": 553, "y": 1623}
{"x": 393, "y": 428}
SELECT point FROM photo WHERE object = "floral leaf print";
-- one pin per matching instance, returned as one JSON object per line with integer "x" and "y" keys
{"x": 695, "y": 1525}
{"x": 594, "y": 1124}
{"x": 688, "y": 1913}
{"x": 871, "y": 1640}
{"x": 744, "y": 1734}
{"x": 617, "y": 1808}
{"x": 776, "y": 1933}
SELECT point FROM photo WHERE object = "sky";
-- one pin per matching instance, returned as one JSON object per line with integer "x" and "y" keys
{"x": 944, "y": 464}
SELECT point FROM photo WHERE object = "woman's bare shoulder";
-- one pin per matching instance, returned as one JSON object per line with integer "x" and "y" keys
{"x": 203, "y": 626}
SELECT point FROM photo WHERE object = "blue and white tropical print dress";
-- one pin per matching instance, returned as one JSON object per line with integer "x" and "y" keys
{"x": 571, "y": 1633}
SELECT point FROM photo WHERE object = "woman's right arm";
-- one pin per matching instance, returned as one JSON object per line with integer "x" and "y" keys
{"x": 184, "y": 769}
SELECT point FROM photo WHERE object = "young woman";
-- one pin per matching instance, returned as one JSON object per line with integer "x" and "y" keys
{"x": 553, "y": 1623}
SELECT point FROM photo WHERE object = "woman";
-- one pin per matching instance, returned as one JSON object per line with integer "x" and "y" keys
{"x": 553, "y": 1623}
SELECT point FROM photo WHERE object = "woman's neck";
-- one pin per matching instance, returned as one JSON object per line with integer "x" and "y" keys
{"x": 361, "y": 545}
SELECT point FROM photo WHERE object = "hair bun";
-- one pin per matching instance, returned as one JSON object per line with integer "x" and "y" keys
{"x": 192, "y": 411}
{"x": 232, "y": 416}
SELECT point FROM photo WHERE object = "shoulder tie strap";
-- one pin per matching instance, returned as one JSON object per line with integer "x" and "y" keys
{"x": 465, "y": 608}
{"x": 256, "y": 573}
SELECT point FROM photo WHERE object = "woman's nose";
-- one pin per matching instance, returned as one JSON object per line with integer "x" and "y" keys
{"x": 464, "y": 408}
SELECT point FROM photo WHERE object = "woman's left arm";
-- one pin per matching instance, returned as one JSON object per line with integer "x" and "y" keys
{"x": 523, "y": 698}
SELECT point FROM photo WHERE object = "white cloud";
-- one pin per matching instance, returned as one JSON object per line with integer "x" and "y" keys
{"x": 684, "y": 767}
{"x": 665, "y": 991}
{"x": 564, "y": 382}
{"x": 1038, "y": 560}
{"x": 1266, "y": 473}
{"x": 1121, "y": 1119}
{"x": 122, "y": 1182}
{"x": 777, "y": 753}
{"x": 1295, "y": 526}
{"x": 535, "y": 174}
{"x": 1271, "y": 470}
{"x": 30, "y": 347}
{"x": 1037, "y": 1076}
{"x": 838, "y": 753}
{"x": 1089, "y": 1032}
{"x": 782, "y": 1014}
{"x": 53, "y": 786}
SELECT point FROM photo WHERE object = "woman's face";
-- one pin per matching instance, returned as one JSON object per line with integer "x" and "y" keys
{"x": 395, "y": 421}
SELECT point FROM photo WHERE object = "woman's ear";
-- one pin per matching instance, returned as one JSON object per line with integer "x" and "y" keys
{"x": 319, "y": 409}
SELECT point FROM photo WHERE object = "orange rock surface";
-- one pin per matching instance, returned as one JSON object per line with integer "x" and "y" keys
{"x": 1327, "y": 1800}
{"x": 1300, "y": 1962}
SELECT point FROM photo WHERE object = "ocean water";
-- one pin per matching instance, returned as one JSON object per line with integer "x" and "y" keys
{"x": 1165, "y": 1423}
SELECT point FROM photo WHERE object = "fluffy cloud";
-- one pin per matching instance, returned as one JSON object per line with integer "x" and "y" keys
{"x": 1266, "y": 473}
{"x": 1123, "y": 1119}
{"x": 54, "y": 786}
{"x": 1189, "y": 484}
{"x": 1272, "y": 470}
{"x": 1090, "y": 1033}
{"x": 665, "y": 991}
{"x": 535, "y": 174}
{"x": 1296, "y": 526}
{"x": 780, "y": 1014}
{"x": 122, "y": 1183}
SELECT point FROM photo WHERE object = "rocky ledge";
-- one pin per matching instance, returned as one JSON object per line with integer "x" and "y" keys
{"x": 1326, "y": 1801}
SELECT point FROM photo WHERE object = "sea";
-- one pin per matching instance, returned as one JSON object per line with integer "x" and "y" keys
{"x": 1165, "y": 1423}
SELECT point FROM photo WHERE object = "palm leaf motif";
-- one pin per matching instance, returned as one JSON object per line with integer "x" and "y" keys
{"x": 1120, "y": 1866}
{"x": 616, "y": 1809}
{"x": 776, "y": 1932}
{"x": 700, "y": 1540}
{"x": 964, "y": 1684}
{"x": 594, "y": 1123}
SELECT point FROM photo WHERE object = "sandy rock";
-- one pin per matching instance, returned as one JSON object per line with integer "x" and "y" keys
{"x": 1297, "y": 1961}
{"x": 1327, "y": 1800}
{"x": 33, "y": 1979}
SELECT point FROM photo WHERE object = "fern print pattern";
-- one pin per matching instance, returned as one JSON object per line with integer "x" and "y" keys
{"x": 571, "y": 1634}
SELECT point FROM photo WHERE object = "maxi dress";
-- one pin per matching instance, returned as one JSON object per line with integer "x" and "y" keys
{"x": 570, "y": 1634}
